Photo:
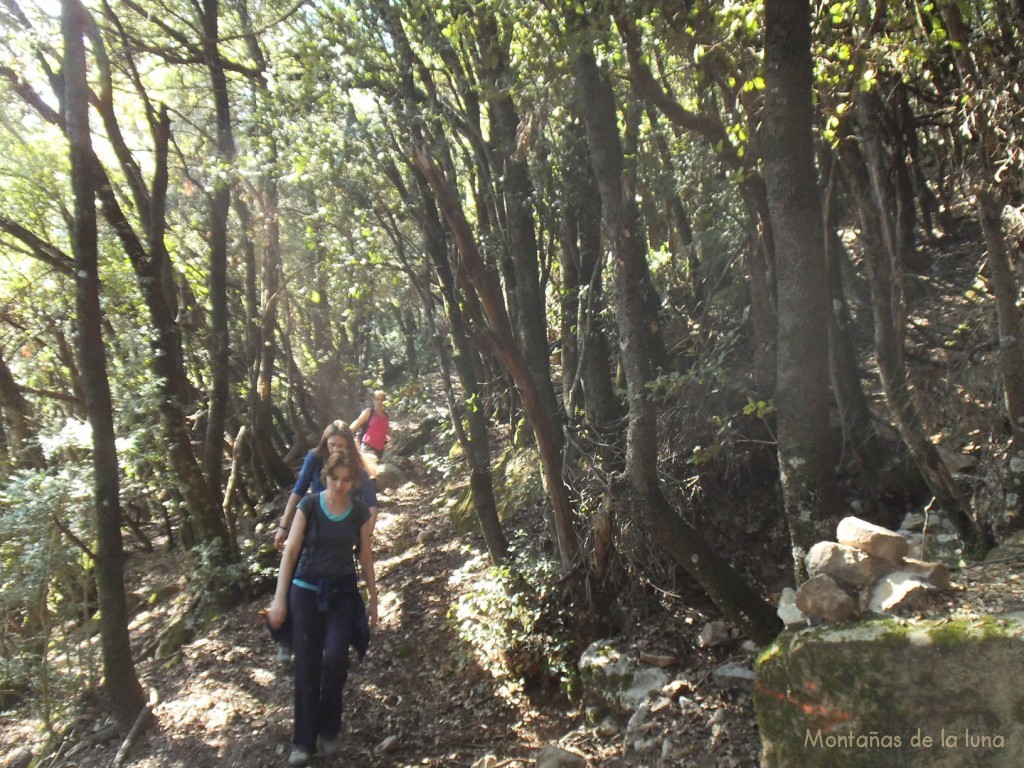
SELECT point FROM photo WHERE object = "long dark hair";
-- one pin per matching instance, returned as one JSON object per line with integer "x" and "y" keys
{"x": 339, "y": 428}
{"x": 335, "y": 428}
{"x": 346, "y": 458}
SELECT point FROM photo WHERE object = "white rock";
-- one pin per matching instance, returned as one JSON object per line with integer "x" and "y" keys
{"x": 788, "y": 611}
{"x": 914, "y": 521}
{"x": 899, "y": 591}
{"x": 873, "y": 539}
{"x": 713, "y": 633}
{"x": 846, "y": 564}
{"x": 733, "y": 675}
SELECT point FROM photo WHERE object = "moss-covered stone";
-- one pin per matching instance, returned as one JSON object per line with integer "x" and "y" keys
{"x": 883, "y": 693}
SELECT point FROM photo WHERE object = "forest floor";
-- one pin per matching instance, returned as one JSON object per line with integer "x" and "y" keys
{"x": 418, "y": 698}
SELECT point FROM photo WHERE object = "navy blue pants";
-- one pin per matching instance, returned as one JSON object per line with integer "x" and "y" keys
{"x": 320, "y": 640}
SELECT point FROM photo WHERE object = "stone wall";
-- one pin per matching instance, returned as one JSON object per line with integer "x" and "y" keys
{"x": 886, "y": 693}
{"x": 859, "y": 679}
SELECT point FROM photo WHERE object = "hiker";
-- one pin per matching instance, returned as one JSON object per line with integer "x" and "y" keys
{"x": 317, "y": 587}
{"x": 377, "y": 425}
{"x": 337, "y": 437}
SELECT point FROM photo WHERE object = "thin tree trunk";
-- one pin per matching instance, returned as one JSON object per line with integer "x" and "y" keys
{"x": 586, "y": 358}
{"x": 1011, "y": 352}
{"x": 511, "y": 356}
{"x": 895, "y": 384}
{"x": 220, "y": 205}
{"x": 475, "y": 442}
{"x": 515, "y": 191}
{"x": 25, "y": 450}
{"x": 645, "y": 498}
{"x": 855, "y": 416}
{"x": 124, "y": 694}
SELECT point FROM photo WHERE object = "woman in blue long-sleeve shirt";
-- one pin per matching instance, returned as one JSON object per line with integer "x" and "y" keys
{"x": 336, "y": 437}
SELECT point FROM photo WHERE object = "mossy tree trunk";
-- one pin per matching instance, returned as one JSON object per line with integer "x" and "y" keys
{"x": 740, "y": 602}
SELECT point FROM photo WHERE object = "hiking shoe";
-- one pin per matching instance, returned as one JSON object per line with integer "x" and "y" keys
{"x": 284, "y": 654}
{"x": 298, "y": 757}
{"x": 329, "y": 747}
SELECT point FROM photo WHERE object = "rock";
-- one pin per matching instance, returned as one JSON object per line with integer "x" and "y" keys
{"x": 885, "y": 694}
{"x": 660, "y": 705}
{"x": 608, "y": 728}
{"x": 676, "y": 688}
{"x": 733, "y": 675}
{"x": 635, "y": 728}
{"x": 657, "y": 659}
{"x": 487, "y": 761}
{"x": 17, "y": 758}
{"x": 821, "y": 596}
{"x": 713, "y": 633}
{"x": 553, "y": 757}
{"x": 936, "y": 574}
{"x": 899, "y": 592}
{"x": 388, "y": 745}
{"x": 916, "y": 543}
{"x": 787, "y": 609}
{"x": 178, "y": 633}
{"x": 873, "y": 539}
{"x": 388, "y": 476}
{"x": 616, "y": 680}
{"x": 914, "y": 521}
{"x": 942, "y": 547}
{"x": 846, "y": 564}
{"x": 1011, "y": 546}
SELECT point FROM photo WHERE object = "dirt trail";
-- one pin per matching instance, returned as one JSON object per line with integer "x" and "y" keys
{"x": 414, "y": 701}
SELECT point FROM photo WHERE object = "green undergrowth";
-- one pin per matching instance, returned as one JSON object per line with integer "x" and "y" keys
{"x": 511, "y": 621}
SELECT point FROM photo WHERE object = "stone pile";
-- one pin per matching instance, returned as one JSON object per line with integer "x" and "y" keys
{"x": 865, "y": 571}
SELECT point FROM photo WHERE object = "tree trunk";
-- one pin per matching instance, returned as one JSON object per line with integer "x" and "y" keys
{"x": 898, "y": 393}
{"x": 735, "y": 597}
{"x": 511, "y": 356}
{"x": 155, "y": 274}
{"x": 476, "y": 443}
{"x": 855, "y": 416}
{"x": 124, "y": 694}
{"x": 1011, "y": 354}
{"x": 263, "y": 401}
{"x": 806, "y": 445}
{"x": 220, "y": 205}
{"x": 515, "y": 191}
{"x": 586, "y": 358}
{"x": 25, "y": 450}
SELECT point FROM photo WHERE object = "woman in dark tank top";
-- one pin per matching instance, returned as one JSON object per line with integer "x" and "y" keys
{"x": 317, "y": 585}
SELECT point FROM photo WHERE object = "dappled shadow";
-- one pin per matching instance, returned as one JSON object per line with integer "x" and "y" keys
{"x": 417, "y": 699}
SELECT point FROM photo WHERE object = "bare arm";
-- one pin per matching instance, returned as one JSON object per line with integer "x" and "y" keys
{"x": 285, "y": 523}
{"x": 292, "y": 547}
{"x": 363, "y": 418}
{"x": 366, "y": 564}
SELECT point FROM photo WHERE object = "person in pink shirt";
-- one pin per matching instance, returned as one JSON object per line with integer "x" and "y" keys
{"x": 377, "y": 425}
